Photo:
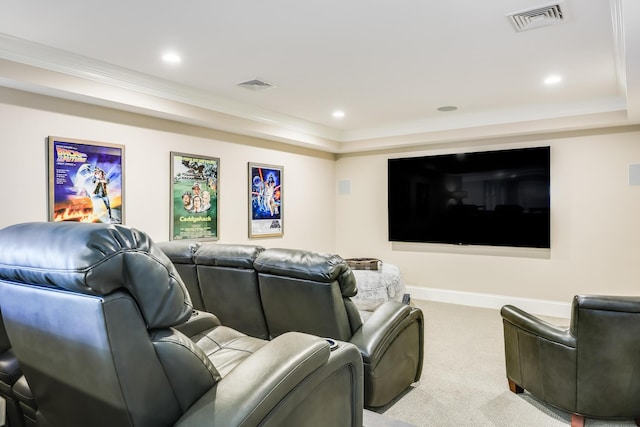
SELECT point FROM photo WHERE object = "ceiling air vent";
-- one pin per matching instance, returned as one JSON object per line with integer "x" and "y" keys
{"x": 256, "y": 84}
{"x": 538, "y": 17}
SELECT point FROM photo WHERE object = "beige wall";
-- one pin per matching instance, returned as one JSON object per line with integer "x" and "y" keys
{"x": 595, "y": 213}
{"x": 595, "y": 235}
{"x": 27, "y": 120}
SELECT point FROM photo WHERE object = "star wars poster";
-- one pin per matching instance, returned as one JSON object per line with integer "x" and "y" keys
{"x": 85, "y": 181}
{"x": 265, "y": 200}
{"x": 194, "y": 197}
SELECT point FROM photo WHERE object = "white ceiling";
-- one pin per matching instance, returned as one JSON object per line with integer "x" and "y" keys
{"x": 388, "y": 64}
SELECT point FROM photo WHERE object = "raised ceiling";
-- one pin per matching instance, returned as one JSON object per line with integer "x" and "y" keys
{"x": 388, "y": 65}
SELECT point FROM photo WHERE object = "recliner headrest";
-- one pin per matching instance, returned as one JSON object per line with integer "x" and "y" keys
{"x": 179, "y": 251}
{"x": 238, "y": 256}
{"x": 308, "y": 265}
{"x": 96, "y": 259}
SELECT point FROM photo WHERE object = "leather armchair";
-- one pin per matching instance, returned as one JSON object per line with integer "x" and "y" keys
{"x": 590, "y": 368}
{"x": 93, "y": 313}
{"x": 311, "y": 292}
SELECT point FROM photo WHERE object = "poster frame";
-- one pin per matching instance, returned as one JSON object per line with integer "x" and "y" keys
{"x": 194, "y": 224}
{"x": 73, "y": 193}
{"x": 261, "y": 225}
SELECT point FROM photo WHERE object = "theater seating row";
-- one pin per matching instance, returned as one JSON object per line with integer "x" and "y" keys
{"x": 268, "y": 292}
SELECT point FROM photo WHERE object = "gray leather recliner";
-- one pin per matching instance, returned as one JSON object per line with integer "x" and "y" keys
{"x": 91, "y": 311}
{"x": 590, "y": 368}
{"x": 311, "y": 292}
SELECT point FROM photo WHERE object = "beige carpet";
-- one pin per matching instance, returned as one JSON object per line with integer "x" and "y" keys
{"x": 463, "y": 380}
{"x": 373, "y": 419}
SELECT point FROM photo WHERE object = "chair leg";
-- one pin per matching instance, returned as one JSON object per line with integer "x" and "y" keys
{"x": 637, "y": 420}
{"x": 577, "y": 420}
{"x": 515, "y": 388}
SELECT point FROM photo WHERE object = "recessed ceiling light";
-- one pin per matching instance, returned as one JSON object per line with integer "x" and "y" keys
{"x": 448, "y": 108}
{"x": 338, "y": 114}
{"x": 553, "y": 79}
{"x": 171, "y": 57}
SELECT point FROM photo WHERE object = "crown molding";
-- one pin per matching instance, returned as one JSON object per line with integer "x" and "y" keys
{"x": 40, "y": 69}
{"x": 87, "y": 69}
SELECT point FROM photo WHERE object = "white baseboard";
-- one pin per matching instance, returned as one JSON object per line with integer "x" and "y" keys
{"x": 533, "y": 306}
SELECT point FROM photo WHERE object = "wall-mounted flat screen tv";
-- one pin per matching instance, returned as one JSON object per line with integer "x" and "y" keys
{"x": 495, "y": 198}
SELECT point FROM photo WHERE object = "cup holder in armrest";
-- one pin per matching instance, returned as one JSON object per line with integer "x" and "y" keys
{"x": 333, "y": 344}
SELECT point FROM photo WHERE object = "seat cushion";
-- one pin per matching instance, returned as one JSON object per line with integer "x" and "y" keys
{"x": 226, "y": 347}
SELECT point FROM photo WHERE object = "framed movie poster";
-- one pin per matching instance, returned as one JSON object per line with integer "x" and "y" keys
{"x": 265, "y": 200}
{"x": 194, "y": 197}
{"x": 85, "y": 181}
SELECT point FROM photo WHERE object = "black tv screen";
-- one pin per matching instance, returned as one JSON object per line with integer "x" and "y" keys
{"x": 495, "y": 198}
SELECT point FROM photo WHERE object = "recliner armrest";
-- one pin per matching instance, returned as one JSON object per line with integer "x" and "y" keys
{"x": 377, "y": 333}
{"x": 257, "y": 387}
{"x": 537, "y": 326}
{"x": 9, "y": 368}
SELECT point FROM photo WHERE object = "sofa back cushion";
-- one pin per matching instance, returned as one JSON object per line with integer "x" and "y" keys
{"x": 229, "y": 286}
{"x": 307, "y": 292}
